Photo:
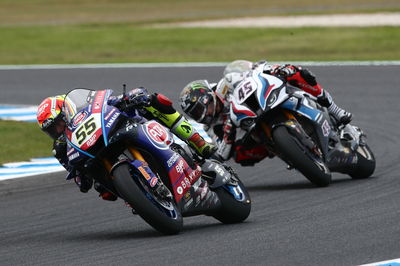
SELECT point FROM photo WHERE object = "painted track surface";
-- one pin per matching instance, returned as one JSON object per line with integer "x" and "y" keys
{"x": 45, "y": 220}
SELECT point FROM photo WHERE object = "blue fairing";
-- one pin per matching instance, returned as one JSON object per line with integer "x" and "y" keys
{"x": 311, "y": 113}
{"x": 109, "y": 116}
{"x": 265, "y": 86}
{"x": 160, "y": 151}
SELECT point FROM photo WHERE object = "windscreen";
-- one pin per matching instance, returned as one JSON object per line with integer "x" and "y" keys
{"x": 75, "y": 101}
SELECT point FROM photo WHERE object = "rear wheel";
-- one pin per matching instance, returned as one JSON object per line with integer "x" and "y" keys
{"x": 366, "y": 163}
{"x": 314, "y": 169}
{"x": 160, "y": 213}
{"x": 235, "y": 204}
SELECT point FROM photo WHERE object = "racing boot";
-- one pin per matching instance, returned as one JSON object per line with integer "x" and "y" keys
{"x": 161, "y": 107}
{"x": 341, "y": 116}
{"x": 186, "y": 132}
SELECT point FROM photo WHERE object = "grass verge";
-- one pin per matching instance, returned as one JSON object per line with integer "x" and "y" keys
{"x": 21, "y": 141}
{"x": 50, "y": 12}
{"x": 113, "y": 43}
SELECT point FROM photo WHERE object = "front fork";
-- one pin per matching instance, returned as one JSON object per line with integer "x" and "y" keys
{"x": 139, "y": 163}
{"x": 135, "y": 154}
{"x": 268, "y": 130}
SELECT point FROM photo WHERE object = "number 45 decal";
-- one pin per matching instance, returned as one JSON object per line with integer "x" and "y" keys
{"x": 85, "y": 130}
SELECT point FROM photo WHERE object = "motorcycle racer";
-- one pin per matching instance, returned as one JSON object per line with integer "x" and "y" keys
{"x": 209, "y": 104}
{"x": 50, "y": 117}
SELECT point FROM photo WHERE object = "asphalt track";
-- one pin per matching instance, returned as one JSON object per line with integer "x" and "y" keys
{"x": 47, "y": 221}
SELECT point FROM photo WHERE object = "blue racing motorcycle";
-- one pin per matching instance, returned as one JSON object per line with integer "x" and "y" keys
{"x": 138, "y": 160}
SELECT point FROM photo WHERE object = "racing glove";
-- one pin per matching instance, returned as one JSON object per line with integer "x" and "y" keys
{"x": 137, "y": 98}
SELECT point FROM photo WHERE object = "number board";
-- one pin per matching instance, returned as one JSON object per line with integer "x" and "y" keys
{"x": 87, "y": 130}
{"x": 244, "y": 90}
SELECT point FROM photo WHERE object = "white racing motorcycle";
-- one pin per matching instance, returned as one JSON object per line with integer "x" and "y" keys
{"x": 293, "y": 126}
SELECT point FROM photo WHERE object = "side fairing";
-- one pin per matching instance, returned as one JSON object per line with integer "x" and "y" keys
{"x": 319, "y": 119}
{"x": 240, "y": 112}
{"x": 269, "y": 85}
{"x": 156, "y": 139}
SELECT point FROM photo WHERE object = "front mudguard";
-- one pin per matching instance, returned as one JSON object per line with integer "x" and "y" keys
{"x": 223, "y": 176}
{"x": 215, "y": 173}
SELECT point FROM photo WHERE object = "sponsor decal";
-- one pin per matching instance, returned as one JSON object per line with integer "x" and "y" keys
{"x": 179, "y": 190}
{"x": 157, "y": 134}
{"x": 41, "y": 109}
{"x": 182, "y": 177}
{"x": 144, "y": 173}
{"x": 79, "y": 118}
{"x": 98, "y": 101}
{"x": 185, "y": 183}
{"x": 326, "y": 129}
{"x": 193, "y": 175}
{"x": 173, "y": 159}
{"x": 187, "y": 196}
{"x": 73, "y": 156}
{"x": 112, "y": 120}
{"x": 91, "y": 141}
{"x": 109, "y": 114}
{"x": 180, "y": 167}
{"x": 153, "y": 181}
{"x": 70, "y": 151}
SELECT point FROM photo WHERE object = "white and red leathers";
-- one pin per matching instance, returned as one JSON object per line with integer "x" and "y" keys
{"x": 228, "y": 137}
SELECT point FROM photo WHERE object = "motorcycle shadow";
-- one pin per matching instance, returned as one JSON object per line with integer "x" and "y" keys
{"x": 150, "y": 233}
{"x": 113, "y": 235}
{"x": 301, "y": 185}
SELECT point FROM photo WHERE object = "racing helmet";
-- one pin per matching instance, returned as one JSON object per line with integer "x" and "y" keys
{"x": 198, "y": 101}
{"x": 50, "y": 116}
{"x": 238, "y": 66}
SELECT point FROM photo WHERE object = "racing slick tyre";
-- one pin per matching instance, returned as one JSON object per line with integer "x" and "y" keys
{"x": 297, "y": 156}
{"x": 161, "y": 214}
{"x": 233, "y": 209}
{"x": 366, "y": 163}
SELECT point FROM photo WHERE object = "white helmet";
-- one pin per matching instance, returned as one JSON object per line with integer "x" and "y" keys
{"x": 228, "y": 83}
{"x": 238, "y": 66}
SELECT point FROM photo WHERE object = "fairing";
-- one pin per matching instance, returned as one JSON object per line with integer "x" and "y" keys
{"x": 89, "y": 119}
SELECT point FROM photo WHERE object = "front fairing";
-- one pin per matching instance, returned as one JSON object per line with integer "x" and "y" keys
{"x": 89, "y": 122}
{"x": 255, "y": 95}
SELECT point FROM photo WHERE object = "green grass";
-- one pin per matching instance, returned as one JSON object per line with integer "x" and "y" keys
{"x": 125, "y": 43}
{"x": 50, "y": 12}
{"x": 22, "y": 141}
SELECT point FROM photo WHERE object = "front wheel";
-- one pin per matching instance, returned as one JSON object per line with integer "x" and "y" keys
{"x": 291, "y": 150}
{"x": 161, "y": 214}
{"x": 235, "y": 204}
{"x": 365, "y": 163}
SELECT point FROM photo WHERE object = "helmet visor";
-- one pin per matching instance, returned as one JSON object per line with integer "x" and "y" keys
{"x": 198, "y": 111}
{"x": 54, "y": 127}
{"x": 203, "y": 110}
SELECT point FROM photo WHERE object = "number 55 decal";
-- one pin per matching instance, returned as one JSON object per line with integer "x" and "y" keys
{"x": 85, "y": 130}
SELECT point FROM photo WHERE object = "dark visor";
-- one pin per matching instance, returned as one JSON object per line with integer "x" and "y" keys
{"x": 198, "y": 111}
